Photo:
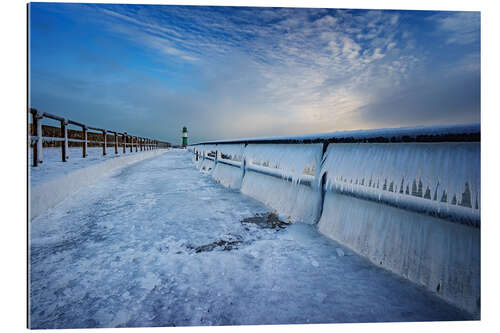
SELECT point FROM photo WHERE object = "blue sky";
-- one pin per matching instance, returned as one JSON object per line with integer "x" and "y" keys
{"x": 228, "y": 72}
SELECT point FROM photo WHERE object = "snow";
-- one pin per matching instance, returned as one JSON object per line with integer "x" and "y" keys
{"x": 52, "y": 166}
{"x": 62, "y": 180}
{"x": 122, "y": 253}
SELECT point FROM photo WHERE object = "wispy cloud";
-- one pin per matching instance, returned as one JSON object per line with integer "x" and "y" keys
{"x": 459, "y": 27}
{"x": 284, "y": 70}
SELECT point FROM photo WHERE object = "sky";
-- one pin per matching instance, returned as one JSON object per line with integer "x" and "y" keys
{"x": 233, "y": 72}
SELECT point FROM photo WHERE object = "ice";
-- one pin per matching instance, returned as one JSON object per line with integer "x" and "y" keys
{"x": 292, "y": 160}
{"x": 227, "y": 175}
{"x": 289, "y": 160}
{"x": 296, "y": 202}
{"x": 122, "y": 253}
{"x": 431, "y": 176}
{"x": 297, "y": 163}
{"x": 435, "y": 253}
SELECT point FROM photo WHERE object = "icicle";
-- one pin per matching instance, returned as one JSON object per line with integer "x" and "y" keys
{"x": 424, "y": 170}
{"x": 291, "y": 159}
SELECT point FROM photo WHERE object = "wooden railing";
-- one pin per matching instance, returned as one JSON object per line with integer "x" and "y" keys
{"x": 127, "y": 141}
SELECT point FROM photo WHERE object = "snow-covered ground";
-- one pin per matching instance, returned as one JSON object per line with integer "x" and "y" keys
{"x": 53, "y": 167}
{"x": 160, "y": 244}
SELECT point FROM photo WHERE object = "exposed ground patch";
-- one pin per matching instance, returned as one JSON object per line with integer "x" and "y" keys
{"x": 266, "y": 220}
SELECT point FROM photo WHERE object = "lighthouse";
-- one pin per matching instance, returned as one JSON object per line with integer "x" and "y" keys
{"x": 184, "y": 136}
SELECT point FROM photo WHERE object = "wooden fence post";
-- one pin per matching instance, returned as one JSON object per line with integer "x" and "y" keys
{"x": 124, "y": 137}
{"x": 136, "y": 143}
{"x": 64, "y": 144}
{"x": 37, "y": 129}
{"x": 140, "y": 143}
{"x": 116, "y": 143}
{"x": 131, "y": 140}
{"x": 84, "y": 143}
{"x": 104, "y": 143}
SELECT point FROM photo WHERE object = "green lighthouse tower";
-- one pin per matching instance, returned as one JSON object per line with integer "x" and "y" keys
{"x": 184, "y": 136}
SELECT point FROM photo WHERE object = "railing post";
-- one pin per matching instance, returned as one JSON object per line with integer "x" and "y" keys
{"x": 136, "y": 143}
{"x": 243, "y": 169}
{"x": 37, "y": 128}
{"x": 124, "y": 136}
{"x": 243, "y": 165}
{"x": 64, "y": 144}
{"x": 116, "y": 143}
{"x": 319, "y": 184}
{"x": 196, "y": 155}
{"x": 84, "y": 144}
{"x": 216, "y": 158}
{"x": 104, "y": 143}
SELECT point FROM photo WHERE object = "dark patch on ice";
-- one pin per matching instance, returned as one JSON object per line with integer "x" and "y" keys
{"x": 266, "y": 220}
{"x": 223, "y": 244}
{"x": 230, "y": 243}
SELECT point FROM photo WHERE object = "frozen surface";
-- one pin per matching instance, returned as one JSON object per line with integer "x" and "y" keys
{"x": 52, "y": 166}
{"x": 437, "y": 177}
{"x": 123, "y": 253}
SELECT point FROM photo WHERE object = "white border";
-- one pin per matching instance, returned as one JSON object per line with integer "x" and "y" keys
{"x": 13, "y": 162}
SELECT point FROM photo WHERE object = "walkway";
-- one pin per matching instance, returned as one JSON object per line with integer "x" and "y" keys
{"x": 161, "y": 244}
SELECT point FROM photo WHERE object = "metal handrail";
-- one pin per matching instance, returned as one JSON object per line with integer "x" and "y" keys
{"x": 458, "y": 133}
{"x": 454, "y": 133}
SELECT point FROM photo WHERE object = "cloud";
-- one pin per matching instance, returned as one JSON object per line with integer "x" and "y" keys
{"x": 240, "y": 72}
{"x": 460, "y": 27}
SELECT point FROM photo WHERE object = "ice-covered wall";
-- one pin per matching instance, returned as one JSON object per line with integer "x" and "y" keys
{"x": 280, "y": 175}
{"x": 442, "y": 256}
{"x": 412, "y": 208}
{"x": 227, "y": 175}
{"x": 296, "y": 202}
{"x": 441, "y": 179}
